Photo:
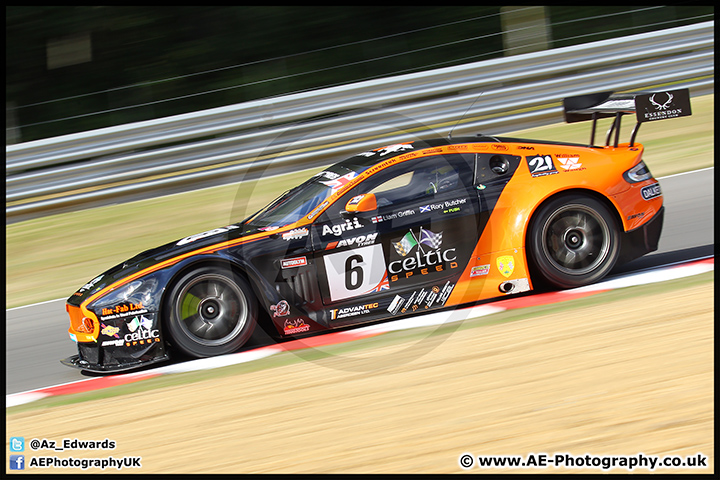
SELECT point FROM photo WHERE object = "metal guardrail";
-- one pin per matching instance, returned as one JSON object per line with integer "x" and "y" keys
{"x": 222, "y": 145}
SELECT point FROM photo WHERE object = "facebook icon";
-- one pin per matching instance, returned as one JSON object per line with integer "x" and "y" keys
{"x": 17, "y": 462}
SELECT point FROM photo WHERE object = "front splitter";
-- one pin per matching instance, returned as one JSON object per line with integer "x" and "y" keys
{"x": 76, "y": 362}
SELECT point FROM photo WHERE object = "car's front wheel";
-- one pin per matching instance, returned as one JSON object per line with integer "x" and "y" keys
{"x": 209, "y": 312}
{"x": 573, "y": 241}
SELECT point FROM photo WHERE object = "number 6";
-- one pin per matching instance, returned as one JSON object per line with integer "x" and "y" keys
{"x": 350, "y": 269}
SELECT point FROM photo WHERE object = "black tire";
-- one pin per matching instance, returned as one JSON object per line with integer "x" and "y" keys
{"x": 573, "y": 241}
{"x": 210, "y": 311}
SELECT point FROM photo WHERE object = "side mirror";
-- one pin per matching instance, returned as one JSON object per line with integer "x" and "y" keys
{"x": 361, "y": 203}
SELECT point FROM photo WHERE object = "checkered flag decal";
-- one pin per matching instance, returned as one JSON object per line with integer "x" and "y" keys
{"x": 432, "y": 240}
{"x": 406, "y": 244}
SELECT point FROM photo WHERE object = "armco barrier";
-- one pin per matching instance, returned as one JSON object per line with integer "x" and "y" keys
{"x": 224, "y": 144}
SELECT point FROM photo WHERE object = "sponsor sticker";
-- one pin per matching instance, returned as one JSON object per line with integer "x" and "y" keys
{"x": 356, "y": 199}
{"x": 122, "y": 310}
{"x": 295, "y": 234}
{"x": 90, "y": 284}
{"x": 141, "y": 331}
{"x": 328, "y": 175}
{"x": 651, "y": 191}
{"x": 398, "y": 147}
{"x": 294, "y": 326}
{"x": 209, "y": 233}
{"x": 541, "y": 165}
{"x": 421, "y": 254}
{"x": 355, "y": 310}
{"x": 294, "y": 262}
{"x": 281, "y": 309}
{"x": 421, "y": 299}
{"x": 506, "y": 265}
{"x": 359, "y": 241}
{"x": 662, "y": 105}
{"x": 317, "y": 209}
{"x": 338, "y": 183}
{"x": 109, "y": 330}
{"x": 569, "y": 164}
{"x": 480, "y": 270}
{"x": 338, "y": 230}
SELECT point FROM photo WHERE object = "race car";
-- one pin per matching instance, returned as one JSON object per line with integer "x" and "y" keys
{"x": 398, "y": 230}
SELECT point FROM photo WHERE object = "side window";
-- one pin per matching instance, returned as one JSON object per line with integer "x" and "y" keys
{"x": 414, "y": 180}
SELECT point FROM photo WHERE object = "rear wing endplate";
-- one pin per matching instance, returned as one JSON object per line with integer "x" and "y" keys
{"x": 647, "y": 107}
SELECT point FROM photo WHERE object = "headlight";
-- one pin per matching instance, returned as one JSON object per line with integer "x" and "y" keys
{"x": 638, "y": 173}
{"x": 135, "y": 295}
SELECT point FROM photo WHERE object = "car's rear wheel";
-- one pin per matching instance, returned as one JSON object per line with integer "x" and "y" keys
{"x": 573, "y": 241}
{"x": 209, "y": 312}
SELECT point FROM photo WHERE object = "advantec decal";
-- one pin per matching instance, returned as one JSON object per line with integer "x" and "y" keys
{"x": 425, "y": 260}
{"x": 340, "y": 313}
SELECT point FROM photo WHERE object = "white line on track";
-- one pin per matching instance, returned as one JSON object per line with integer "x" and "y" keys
{"x": 660, "y": 274}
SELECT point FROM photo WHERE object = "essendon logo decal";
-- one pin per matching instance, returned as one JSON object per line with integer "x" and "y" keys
{"x": 294, "y": 262}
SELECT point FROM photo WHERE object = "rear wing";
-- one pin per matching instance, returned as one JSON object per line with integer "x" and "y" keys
{"x": 647, "y": 107}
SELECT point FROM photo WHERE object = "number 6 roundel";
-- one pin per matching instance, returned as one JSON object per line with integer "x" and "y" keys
{"x": 356, "y": 272}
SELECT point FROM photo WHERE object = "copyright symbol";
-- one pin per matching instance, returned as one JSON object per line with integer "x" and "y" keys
{"x": 34, "y": 443}
{"x": 466, "y": 460}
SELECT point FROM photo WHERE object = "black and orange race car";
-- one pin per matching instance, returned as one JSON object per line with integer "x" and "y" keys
{"x": 398, "y": 230}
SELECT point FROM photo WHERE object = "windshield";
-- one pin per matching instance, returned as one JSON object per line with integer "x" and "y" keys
{"x": 298, "y": 202}
{"x": 294, "y": 204}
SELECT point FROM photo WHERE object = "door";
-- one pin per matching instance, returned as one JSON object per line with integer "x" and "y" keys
{"x": 419, "y": 237}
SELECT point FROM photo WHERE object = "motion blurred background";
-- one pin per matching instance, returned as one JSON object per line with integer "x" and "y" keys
{"x": 72, "y": 69}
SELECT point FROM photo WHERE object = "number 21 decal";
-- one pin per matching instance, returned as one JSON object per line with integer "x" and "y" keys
{"x": 540, "y": 165}
{"x": 355, "y": 272}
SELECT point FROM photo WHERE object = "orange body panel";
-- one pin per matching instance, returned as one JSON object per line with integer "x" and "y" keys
{"x": 595, "y": 169}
